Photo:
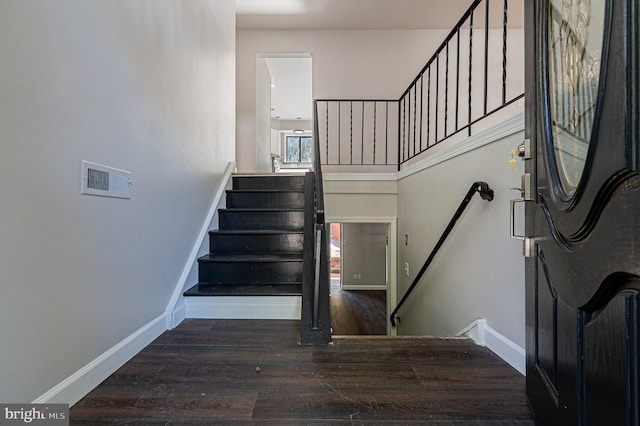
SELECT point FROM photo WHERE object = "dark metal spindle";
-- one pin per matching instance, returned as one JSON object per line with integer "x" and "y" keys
{"x": 446, "y": 89}
{"x": 398, "y": 134}
{"x": 457, "y": 74}
{"x": 470, "y": 67}
{"x": 428, "y": 106}
{"x": 339, "y": 131}
{"x": 375, "y": 124}
{"x": 327, "y": 131}
{"x": 409, "y": 128}
{"x": 386, "y": 135}
{"x": 362, "y": 137}
{"x": 486, "y": 54}
{"x": 421, "y": 105}
{"x": 504, "y": 50}
{"x": 415, "y": 115}
{"x": 351, "y": 134}
{"x": 404, "y": 133}
{"x": 437, "y": 95}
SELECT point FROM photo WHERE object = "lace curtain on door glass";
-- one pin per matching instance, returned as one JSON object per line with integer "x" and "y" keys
{"x": 575, "y": 37}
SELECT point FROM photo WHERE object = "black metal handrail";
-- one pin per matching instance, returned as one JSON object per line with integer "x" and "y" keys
{"x": 486, "y": 193}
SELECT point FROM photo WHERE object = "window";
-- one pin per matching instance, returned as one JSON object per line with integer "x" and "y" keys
{"x": 298, "y": 149}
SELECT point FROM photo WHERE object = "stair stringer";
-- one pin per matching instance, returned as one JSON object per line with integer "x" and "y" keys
{"x": 175, "y": 312}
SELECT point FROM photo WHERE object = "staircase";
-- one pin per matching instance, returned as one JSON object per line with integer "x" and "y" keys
{"x": 254, "y": 265}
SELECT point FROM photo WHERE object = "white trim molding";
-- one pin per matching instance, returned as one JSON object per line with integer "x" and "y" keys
{"x": 175, "y": 312}
{"x": 382, "y": 176}
{"x": 364, "y": 287}
{"x": 75, "y": 387}
{"x": 483, "y": 335}
{"x": 244, "y": 307}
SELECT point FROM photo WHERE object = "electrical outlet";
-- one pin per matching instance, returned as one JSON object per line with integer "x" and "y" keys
{"x": 406, "y": 269}
{"x": 357, "y": 276}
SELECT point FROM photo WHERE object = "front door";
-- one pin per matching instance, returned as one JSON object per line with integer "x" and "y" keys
{"x": 583, "y": 214}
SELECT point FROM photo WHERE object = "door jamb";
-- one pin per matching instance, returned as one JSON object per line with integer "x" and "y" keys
{"x": 392, "y": 256}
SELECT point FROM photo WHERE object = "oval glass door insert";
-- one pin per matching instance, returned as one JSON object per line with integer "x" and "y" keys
{"x": 575, "y": 40}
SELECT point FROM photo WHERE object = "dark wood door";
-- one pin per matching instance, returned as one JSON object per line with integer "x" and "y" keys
{"x": 583, "y": 217}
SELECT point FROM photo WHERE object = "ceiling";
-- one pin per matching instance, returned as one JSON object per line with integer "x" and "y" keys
{"x": 348, "y": 14}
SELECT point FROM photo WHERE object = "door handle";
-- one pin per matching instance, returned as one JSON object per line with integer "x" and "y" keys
{"x": 512, "y": 218}
{"x": 525, "y": 195}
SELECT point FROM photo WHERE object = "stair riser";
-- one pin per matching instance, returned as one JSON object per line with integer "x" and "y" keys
{"x": 261, "y": 220}
{"x": 295, "y": 183}
{"x": 255, "y": 244}
{"x": 250, "y": 273}
{"x": 277, "y": 200}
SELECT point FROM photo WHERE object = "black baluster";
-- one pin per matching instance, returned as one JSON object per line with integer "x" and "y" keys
{"x": 470, "y": 67}
{"x": 486, "y": 54}
{"x": 504, "y": 51}
{"x": 446, "y": 89}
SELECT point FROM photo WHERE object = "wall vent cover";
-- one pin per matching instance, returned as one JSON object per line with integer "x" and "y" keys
{"x": 105, "y": 181}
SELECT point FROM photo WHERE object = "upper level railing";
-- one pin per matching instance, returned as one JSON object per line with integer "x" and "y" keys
{"x": 358, "y": 132}
{"x": 476, "y": 71}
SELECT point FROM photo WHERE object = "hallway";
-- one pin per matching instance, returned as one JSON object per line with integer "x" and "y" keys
{"x": 357, "y": 312}
{"x": 206, "y": 372}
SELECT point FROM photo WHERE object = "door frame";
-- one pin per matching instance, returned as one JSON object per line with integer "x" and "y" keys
{"x": 392, "y": 266}
{"x": 262, "y": 160}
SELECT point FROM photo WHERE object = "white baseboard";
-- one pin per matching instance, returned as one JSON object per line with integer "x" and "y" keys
{"x": 244, "y": 307}
{"x": 179, "y": 314}
{"x": 75, "y": 387}
{"x": 363, "y": 287}
{"x": 506, "y": 349}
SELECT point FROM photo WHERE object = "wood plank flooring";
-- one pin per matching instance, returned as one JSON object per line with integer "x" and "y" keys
{"x": 358, "y": 312}
{"x": 205, "y": 372}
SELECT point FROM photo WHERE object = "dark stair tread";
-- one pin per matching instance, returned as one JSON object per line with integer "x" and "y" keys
{"x": 252, "y": 258}
{"x": 268, "y": 174}
{"x": 260, "y": 209}
{"x": 254, "y": 232}
{"x": 267, "y": 190}
{"x": 244, "y": 290}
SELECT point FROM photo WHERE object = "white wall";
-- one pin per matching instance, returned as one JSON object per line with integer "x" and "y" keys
{"x": 346, "y": 64}
{"x": 146, "y": 86}
{"x": 352, "y": 196}
{"x": 364, "y": 253}
{"x": 479, "y": 271}
{"x": 263, "y": 116}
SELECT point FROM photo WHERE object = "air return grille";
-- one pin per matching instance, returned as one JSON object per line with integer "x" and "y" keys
{"x": 105, "y": 181}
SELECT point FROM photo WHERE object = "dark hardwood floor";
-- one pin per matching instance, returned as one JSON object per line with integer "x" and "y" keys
{"x": 206, "y": 372}
{"x": 358, "y": 312}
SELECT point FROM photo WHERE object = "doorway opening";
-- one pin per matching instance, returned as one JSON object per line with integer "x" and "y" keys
{"x": 284, "y": 104}
{"x": 359, "y": 264}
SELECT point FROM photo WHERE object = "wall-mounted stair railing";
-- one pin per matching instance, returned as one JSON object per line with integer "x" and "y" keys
{"x": 315, "y": 327}
{"x": 486, "y": 193}
{"x": 450, "y": 95}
